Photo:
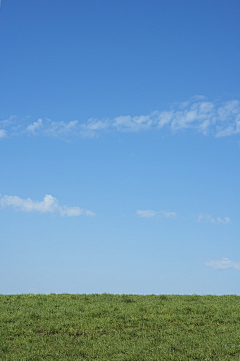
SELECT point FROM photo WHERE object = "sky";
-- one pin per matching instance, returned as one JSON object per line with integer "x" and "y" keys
{"x": 119, "y": 147}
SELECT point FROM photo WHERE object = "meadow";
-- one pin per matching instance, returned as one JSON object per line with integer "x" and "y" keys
{"x": 119, "y": 327}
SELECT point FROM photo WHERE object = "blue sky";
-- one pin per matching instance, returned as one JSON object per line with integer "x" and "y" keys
{"x": 119, "y": 146}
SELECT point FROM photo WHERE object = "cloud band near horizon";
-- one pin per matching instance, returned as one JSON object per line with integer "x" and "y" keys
{"x": 217, "y": 118}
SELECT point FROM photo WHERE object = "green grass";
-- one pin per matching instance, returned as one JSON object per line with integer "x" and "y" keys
{"x": 119, "y": 327}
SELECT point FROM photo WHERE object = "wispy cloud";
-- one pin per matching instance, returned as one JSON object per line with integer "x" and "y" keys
{"x": 209, "y": 218}
{"x": 61, "y": 129}
{"x": 223, "y": 263}
{"x": 146, "y": 214}
{"x": 225, "y": 220}
{"x": 49, "y": 204}
{"x": 32, "y": 128}
{"x": 150, "y": 213}
{"x": 207, "y": 117}
{"x": 3, "y": 133}
{"x": 168, "y": 214}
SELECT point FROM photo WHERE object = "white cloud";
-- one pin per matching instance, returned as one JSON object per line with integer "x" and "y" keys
{"x": 217, "y": 118}
{"x": 34, "y": 126}
{"x": 165, "y": 118}
{"x": 207, "y": 217}
{"x": 135, "y": 123}
{"x": 223, "y": 263}
{"x": 169, "y": 214}
{"x": 8, "y": 122}
{"x": 3, "y": 133}
{"x": 95, "y": 124}
{"x": 149, "y": 213}
{"x": 48, "y": 204}
{"x": 60, "y": 129}
{"x": 146, "y": 214}
{"x": 224, "y": 220}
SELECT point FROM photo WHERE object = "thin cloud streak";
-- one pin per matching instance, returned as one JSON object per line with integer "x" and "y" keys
{"x": 223, "y": 263}
{"x": 49, "y": 204}
{"x": 209, "y": 218}
{"x": 150, "y": 213}
{"x": 146, "y": 214}
{"x": 168, "y": 214}
{"x": 219, "y": 119}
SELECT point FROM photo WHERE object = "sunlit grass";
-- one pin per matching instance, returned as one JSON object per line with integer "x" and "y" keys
{"x": 119, "y": 327}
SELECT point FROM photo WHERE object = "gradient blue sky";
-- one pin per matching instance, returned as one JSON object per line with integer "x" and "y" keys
{"x": 119, "y": 146}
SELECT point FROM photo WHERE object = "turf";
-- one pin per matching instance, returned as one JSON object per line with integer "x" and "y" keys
{"x": 119, "y": 327}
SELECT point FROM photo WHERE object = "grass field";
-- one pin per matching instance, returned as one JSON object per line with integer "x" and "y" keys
{"x": 119, "y": 327}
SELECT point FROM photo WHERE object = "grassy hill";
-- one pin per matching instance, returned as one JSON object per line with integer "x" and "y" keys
{"x": 119, "y": 327}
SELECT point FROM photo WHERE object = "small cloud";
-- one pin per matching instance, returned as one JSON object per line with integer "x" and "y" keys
{"x": 225, "y": 220}
{"x": 89, "y": 213}
{"x": 223, "y": 263}
{"x": 3, "y": 133}
{"x": 149, "y": 213}
{"x": 226, "y": 132}
{"x": 8, "y": 122}
{"x": 164, "y": 118}
{"x": 49, "y": 204}
{"x": 133, "y": 124}
{"x": 61, "y": 129}
{"x": 34, "y": 126}
{"x": 95, "y": 124}
{"x": 146, "y": 214}
{"x": 203, "y": 127}
{"x": 207, "y": 217}
{"x": 169, "y": 214}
